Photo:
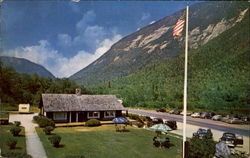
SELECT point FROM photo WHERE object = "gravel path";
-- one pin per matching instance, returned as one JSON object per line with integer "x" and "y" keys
{"x": 33, "y": 143}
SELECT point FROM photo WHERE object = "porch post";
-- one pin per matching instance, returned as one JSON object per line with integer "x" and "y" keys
{"x": 76, "y": 116}
{"x": 69, "y": 116}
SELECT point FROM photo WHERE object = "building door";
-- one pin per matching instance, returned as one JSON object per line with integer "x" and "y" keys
{"x": 73, "y": 116}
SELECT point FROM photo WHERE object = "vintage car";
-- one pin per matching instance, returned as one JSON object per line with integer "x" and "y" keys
{"x": 231, "y": 140}
{"x": 206, "y": 115}
{"x": 217, "y": 117}
{"x": 196, "y": 115}
{"x": 234, "y": 121}
{"x": 160, "y": 110}
{"x": 157, "y": 120}
{"x": 203, "y": 134}
{"x": 176, "y": 112}
{"x": 188, "y": 113}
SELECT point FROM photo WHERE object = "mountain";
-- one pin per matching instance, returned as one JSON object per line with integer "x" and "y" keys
{"x": 218, "y": 77}
{"x": 155, "y": 43}
{"x": 25, "y": 66}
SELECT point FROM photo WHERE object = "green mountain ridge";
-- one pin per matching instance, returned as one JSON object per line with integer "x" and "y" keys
{"x": 218, "y": 77}
{"x": 22, "y": 66}
{"x": 155, "y": 43}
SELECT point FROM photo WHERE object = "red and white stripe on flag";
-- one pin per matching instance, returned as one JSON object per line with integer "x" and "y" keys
{"x": 178, "y": 27}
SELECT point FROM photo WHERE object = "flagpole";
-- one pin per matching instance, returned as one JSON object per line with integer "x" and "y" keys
{"x": 185, "y": 86}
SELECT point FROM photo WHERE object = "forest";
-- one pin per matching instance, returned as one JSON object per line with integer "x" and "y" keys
{"x": 18, "y": 88}
{"x": 218, "y": 78}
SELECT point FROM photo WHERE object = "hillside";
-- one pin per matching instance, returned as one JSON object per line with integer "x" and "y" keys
{"x": 25, "y": 66}
{"x": 154, "y": 43}
{"x": 218, "y": 77}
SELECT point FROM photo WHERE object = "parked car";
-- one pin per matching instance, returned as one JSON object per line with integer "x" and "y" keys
{"x": 203, "y": 134}
{"x": 245, "y": 118}
{"x": 234, "y": 121}
{"x": 217, "y": 117}
{"x": 206, "y": 115}
{"x": 176, "y": 112}
{"x": 157, "y": 120}
{"x": 196, "y": 115}
{"x": 161, "y": 110}
{"x": 172, "y": 124}
{"x": 231, "y": 140}
{"x": 188, "y": 113}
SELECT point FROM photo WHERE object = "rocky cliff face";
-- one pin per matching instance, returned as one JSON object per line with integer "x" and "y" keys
{"x": 155, "y": 43}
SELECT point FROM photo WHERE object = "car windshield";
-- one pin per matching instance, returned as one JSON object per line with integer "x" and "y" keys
{"x": 229, "y": 135}
{"x": 202, "y": 131}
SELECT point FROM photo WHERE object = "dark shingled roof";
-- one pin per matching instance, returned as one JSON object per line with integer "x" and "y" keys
{"x": 73, "y": 102}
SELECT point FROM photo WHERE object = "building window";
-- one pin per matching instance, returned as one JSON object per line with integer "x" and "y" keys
{"x": 60, "y": 116}
{"x": 93, "y": 114}
{"x": 109, "y": 114}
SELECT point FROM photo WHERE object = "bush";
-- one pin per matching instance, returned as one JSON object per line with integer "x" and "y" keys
{"x": 93, "y": 122}
{"x": 17, "y": 123}
{"x": 139, "y": 124}
{"x": 201, "y": 148}
{"x": 11, "y": 142}
{"x": 36, "y": 118}
{"x": 48, "y": 129}
{"x": 44, "y": 121}
{"x": 15, "y": 130}
{"x": 172, "y": 124}
{"x": 55, "y": 140}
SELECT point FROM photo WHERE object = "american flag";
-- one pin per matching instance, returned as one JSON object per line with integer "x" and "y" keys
{"x": 179, "y": 27}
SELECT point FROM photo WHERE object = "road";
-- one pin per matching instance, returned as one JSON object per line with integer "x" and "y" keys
{"x": 193, "y": 124}
{"x": 243, "y": 130}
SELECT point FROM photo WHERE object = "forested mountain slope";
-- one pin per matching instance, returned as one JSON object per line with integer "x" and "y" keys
{"x": 25, "y": 66}
{"x": 218, "y": 77}
{"x": 155, "y": 43}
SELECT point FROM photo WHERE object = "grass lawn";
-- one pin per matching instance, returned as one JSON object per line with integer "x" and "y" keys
{"x": 5, "y": 133}
{"x": 104, "y": 142}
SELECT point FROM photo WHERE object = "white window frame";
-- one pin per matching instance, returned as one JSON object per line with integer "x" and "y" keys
{"x": 62, "y": 118}
{"x": 105, "y": 114}
{"x": 94, "y": 116}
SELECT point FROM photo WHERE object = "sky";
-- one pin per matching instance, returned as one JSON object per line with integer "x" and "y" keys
{"x": 66, "y": 36}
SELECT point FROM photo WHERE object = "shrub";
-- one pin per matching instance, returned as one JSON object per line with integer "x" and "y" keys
{"x": 15, "y": 130}
{"x": 11, "y": 142}
{"x": 17, "y": 123}
{"x": 44, "y": 121}
{"x": 36, "y": 118}
{"x": 201, "y": 148}
{"x": 93, "y": 122}
{"x": 55, "y": 140}
{"x": 172, "y": 124}
{"x": 139, "y": 124}
{"x": 48, "y": 129}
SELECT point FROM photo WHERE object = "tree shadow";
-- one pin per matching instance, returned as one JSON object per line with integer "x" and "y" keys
{"x": 60, "y": 146}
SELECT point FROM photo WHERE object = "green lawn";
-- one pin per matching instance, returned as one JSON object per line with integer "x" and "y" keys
{"x": 5, "y": 133}
{"x": 104, "y": 142}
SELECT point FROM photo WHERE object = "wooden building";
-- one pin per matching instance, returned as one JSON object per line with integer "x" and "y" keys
{"x": 80, "y": 108}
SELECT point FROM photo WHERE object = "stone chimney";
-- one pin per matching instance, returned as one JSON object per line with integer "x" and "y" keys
{"x": 78, "y": 91}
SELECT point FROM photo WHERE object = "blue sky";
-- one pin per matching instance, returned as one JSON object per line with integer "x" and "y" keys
{"x": 66, "y": 36}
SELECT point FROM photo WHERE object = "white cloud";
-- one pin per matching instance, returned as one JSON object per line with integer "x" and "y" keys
{"x": 64, "y": 40}
{"x": 87, "y": 18}
{"x": 95, "y": 37}
{"x": 152, "y": 22}
{"x": 59, "y": 65}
